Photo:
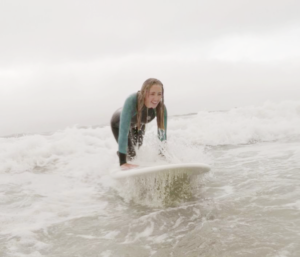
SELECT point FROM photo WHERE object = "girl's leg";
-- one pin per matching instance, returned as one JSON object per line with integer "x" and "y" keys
{"x": 114, "y": 123}
{"x": 136, "y": 139}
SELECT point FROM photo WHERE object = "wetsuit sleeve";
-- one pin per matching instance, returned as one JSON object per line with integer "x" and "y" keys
{"x": 122, "y": 158}
{"x": 125, "y": 120}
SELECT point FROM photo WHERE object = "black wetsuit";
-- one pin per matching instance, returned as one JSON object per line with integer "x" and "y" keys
{"x": 124, "y": 127}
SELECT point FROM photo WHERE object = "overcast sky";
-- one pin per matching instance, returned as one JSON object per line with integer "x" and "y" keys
{"x": 74, "y": 62}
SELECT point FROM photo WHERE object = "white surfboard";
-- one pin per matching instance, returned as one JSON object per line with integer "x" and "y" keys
{"x": 190, "y": 168}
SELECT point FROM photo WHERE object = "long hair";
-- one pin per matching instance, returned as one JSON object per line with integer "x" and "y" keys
{"x": 141, "y": 100}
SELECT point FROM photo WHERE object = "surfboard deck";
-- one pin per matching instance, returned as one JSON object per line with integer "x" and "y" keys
{"x": 190, "y": 168}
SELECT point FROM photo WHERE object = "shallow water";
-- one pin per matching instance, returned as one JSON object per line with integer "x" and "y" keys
{"x": 56, "y": 201}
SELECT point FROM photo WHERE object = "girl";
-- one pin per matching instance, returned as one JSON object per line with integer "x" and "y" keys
{"x": 128, "y": 123}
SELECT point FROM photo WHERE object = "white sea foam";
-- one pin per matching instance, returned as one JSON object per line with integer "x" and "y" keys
{"x": 240, "y": 125}
{"x": 52, "y": 183}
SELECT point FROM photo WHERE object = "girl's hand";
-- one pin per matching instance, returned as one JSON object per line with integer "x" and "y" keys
{"x": 127, "y": 166}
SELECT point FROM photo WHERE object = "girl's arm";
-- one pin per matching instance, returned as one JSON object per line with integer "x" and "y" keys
{"x": 125, "y": 120}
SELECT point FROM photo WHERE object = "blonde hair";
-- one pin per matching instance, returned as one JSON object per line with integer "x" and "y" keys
{"x": 141, "y": 100}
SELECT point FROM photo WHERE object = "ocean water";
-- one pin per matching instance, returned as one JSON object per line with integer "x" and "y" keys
{"x": 57, "y": 197}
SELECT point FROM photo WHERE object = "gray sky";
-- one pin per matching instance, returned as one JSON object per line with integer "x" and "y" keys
{"x": 74, "y": 62}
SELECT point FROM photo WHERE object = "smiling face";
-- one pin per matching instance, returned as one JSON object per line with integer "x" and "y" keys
{"x": 153, "y": 96}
